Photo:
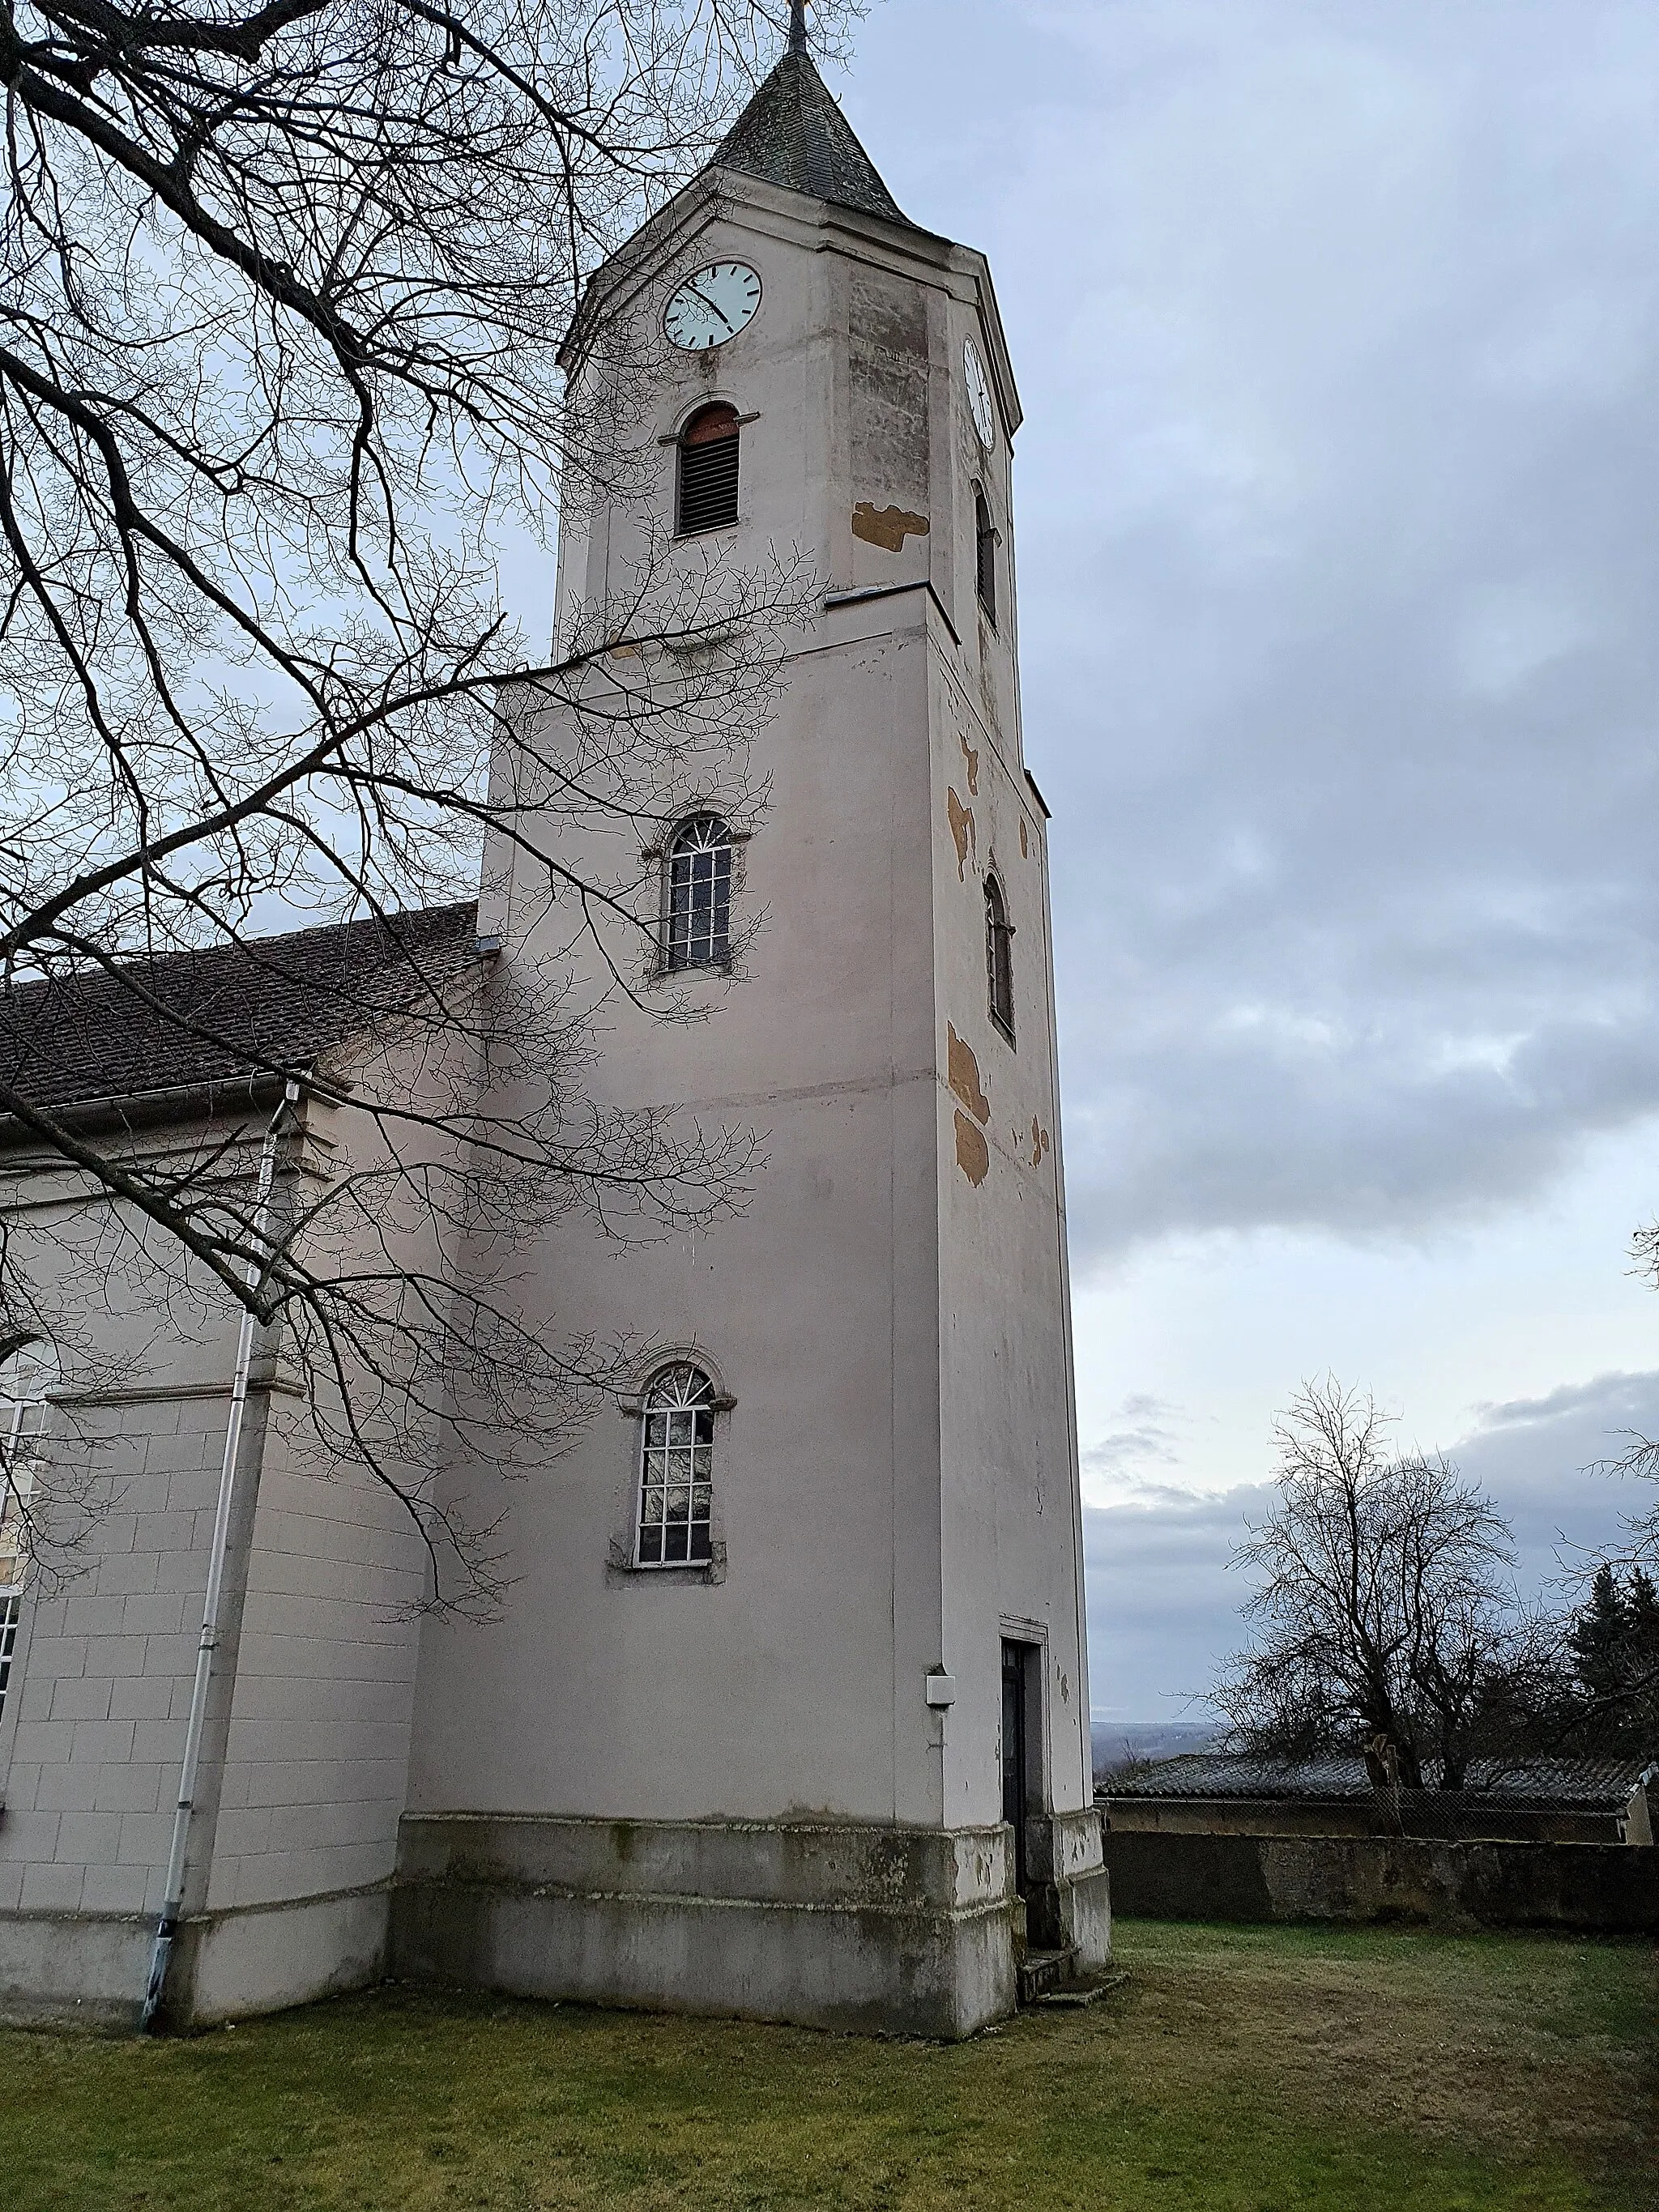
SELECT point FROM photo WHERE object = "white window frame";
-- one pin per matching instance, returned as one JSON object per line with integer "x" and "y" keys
{"x": 701, "y": 936}
{"x": 674, "y": 1461}
{"x": 27, "y": 1377}
{"x": 998, "y": 956}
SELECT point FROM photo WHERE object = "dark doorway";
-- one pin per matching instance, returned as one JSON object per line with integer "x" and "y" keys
{"x": 1016, "y": 1734}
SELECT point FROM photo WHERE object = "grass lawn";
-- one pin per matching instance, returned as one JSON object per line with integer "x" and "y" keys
{"x": 1242, "y": 2070}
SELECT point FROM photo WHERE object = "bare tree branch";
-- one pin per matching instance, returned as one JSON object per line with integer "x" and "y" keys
{"x": 286, "y": 291}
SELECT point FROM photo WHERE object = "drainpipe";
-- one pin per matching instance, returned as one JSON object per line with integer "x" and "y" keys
{"x": 167, "y": 1927}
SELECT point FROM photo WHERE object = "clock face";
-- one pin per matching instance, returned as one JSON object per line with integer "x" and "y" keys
{"x": 713, "y": 305}
{"x": 979, "y": 396}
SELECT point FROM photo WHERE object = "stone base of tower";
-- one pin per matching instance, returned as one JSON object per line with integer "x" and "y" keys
{"x": 903, "y": 1931}
{"x": 1068, "y": 1898}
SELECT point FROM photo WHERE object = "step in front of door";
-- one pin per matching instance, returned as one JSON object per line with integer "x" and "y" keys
{"x": 1043, "y": 1970}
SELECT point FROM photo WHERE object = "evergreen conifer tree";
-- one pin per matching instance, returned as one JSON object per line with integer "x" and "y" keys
{"x": 1600, "y": 1635}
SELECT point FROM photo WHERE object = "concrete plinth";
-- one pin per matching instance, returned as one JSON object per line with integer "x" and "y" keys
{"x": 906, "y": 1931}
{"x": 1068, "y": 1905}
{"x": 79, "y": 1969}
{"x": 90, "y": 1970}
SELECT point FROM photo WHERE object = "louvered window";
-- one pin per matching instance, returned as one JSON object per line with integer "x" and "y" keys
{"x": 708, "y": 470}
{"x": 985, "y": 554}
{"x": 700, "y": 894}
{"x": 1000, "y": 957}
{"x": 677, "y": 1469}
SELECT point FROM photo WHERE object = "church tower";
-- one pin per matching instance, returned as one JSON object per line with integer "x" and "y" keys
{"x": 787, "y": 1714}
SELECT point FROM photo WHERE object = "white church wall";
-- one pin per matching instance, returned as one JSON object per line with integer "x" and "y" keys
{"x": 613, "y": 1692}
{"x": 304, "y": 1772}
{"x": 93, "y": 1734}
{"x": 316, "y": 1754}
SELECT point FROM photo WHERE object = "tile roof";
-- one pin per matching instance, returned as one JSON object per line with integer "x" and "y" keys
{"x": 792, "y": 133}
{"x": 224, "y": 1014}
{"x": 1538, "y": 1785}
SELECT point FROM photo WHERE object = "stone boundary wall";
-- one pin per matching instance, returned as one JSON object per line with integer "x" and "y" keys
{"x": 1599, "y": 1888}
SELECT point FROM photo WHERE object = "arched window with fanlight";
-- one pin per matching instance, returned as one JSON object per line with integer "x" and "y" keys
{"x": 1000, "y": 957}
{"x": 677, "y": 1469}
{"x": 708, "y": 448}
{"x": 29, "y": 1374}
{"x": 699, "y": 932}
{"x": 985, "y": 553}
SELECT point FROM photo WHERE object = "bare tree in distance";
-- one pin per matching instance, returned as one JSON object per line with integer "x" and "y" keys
{"x": 1386, "y": 1621}
{"x": 285, "y": 292}
{"x": 1640, "y": 1457}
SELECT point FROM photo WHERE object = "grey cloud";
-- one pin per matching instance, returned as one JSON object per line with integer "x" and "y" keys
{"x": 1338, "y": 330}
{"x": 1547, "y": 1460}
{"x": 1152, "y": 1438}
{"x": 1163, "y": 1605}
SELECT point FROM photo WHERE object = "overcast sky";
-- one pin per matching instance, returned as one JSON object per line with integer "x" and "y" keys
{"x": 1336, "y": 324}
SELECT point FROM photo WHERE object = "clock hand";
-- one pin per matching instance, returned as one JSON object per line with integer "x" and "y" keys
{"x": 716, "y": 306}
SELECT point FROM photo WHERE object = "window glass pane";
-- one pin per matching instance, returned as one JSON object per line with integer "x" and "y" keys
{"x": 699, "y": 894}
{"x": 10, "y": 1610}
{"x": 676, "y": 1460}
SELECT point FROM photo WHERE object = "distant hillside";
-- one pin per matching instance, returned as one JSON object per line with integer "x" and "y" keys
{"x": 1117, "y": 1742}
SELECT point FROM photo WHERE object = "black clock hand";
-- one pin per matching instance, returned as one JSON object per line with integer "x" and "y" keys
{"x": 716, "y": 306}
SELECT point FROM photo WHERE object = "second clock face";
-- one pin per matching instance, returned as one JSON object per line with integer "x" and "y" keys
{"x": 713, "y": 305}
{"x": 979, "y": 396}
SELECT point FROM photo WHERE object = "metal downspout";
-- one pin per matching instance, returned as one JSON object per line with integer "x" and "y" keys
{"x": 167, "y": 1927}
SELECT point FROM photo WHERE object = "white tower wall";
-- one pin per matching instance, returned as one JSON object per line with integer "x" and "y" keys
{"x": 733, "y": 1787}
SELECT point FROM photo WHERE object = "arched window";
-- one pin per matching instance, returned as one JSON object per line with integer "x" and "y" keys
{"x": 677, "y": 1469}
{"x": 700, "y": 894}
{"x": 985, "y": 553}
{"x": 708, "y": 470}
{"x": 27, "y": 1377}
{"x": 1000, "y": 957}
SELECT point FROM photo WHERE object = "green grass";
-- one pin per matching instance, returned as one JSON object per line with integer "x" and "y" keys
{"x": 1235, "y": 2070}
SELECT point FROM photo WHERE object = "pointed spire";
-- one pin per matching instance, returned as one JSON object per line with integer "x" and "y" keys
{"x": 792, "y": 133}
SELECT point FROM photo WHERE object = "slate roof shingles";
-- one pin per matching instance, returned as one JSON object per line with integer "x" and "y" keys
{"x": 239, "y": 1008}
{"x": 792, "y": 133}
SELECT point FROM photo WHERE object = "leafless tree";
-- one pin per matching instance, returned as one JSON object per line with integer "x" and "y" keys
{"x": 1386, "y": 1622}
{"x": 283, "y": 291}
{"x": 1641, "y": 1455}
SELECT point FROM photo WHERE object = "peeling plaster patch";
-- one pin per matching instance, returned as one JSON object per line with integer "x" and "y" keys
{"x": 888, "y": 526}
{"x": 1024, "y": 844}
{"x": 970, "y": 755}
{"x": 962, "y": 1070}
{"x": 962, "y": 829}
{"x": 1039, "y": 1142}
{"x": 973, "y": 1153}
